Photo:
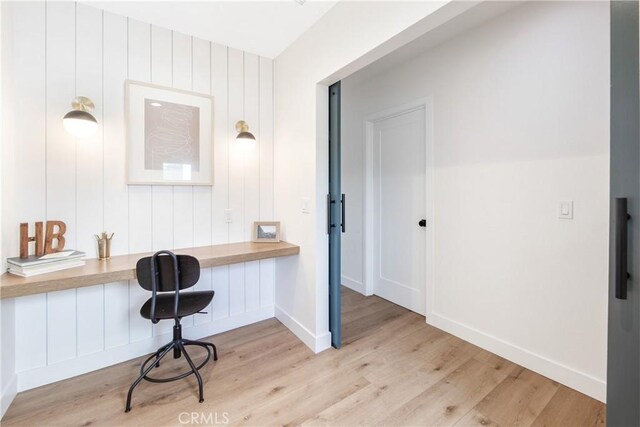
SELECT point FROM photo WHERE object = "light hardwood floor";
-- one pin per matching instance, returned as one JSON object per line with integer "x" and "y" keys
{"x": 392, "y": 370}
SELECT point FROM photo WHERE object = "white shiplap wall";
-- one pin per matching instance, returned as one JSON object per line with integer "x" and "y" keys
{"x": 60, "y": 49}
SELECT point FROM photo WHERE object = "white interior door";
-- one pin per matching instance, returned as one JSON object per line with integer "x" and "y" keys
{"x": 399, "y": 187}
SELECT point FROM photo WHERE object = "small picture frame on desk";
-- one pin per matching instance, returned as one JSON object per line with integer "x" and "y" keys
{"x": 266, "y": 232}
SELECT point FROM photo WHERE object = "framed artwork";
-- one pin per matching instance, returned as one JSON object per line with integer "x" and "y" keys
{"x": 169, "y": 135}
{"x": 266, "y": 231}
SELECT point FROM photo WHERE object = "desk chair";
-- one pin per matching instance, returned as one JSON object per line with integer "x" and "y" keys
{"x": 169, "y": 273}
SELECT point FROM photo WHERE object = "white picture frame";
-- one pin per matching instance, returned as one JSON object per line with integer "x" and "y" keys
{"x": 266, "y": 231}
{"x": 169, "y": 135}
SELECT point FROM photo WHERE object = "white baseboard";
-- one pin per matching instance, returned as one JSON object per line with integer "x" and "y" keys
{"x": 316, "y": 343}
{"x": 353, "y": 284}
{"x": 9, "y": 392}
{"x": 91, "y": 362}
{"x": 563, "y": 374}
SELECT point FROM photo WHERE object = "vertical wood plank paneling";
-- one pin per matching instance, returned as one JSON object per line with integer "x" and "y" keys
{"x": 162, "y": 195}
{"x": 89, "y": 165}
{"x": 28, "y": 169}
{"x": 63, "y": 50}
{"x": 90, "y": 178}
{"x": 252, "y": 285}
{"x": 116, "y": 310}
{"x": 220, "y": 190}
{"x": 267, "y": 266}
{"x": 202, "y": 194}
{"x": 162, "y": 210}
{"x": 267, "y": 283}
{"x": 266, "y": 139}
{"x": 182, "y": 61}
{"x": 90, "y": 319}
{"x": 140, "y": 197}
{"x": 139, "y": 69}
{"x": 140, "y": 217}
{"x": 251, "y": 175}
{"x": 61, "y": 168}
{"x": 61, "y": 326}
{"x": 161, "y": 56}
{"x": 139, "y": 51}
{"x": 116, "y": 192}
{"x": 61, "y": 147}
{"x": 236, "y": 289}
{"x": 202, "y": 216}
{"x": 251, "y": 158}
{"x": 236, "y": 176}
{"x": 221, "y": 300}
{"x": 31, "y": 332}
{"x": 201, "y": 83}
{"x": 236, "y": 110}
{"x": 27, "y": 147}
{"x": 183, "y": 225}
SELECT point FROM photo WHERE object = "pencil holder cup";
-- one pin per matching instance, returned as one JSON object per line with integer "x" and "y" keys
{"x": 104, "y": 246}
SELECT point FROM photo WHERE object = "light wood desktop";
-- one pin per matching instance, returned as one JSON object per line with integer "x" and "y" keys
{"x": 122, "y": 267}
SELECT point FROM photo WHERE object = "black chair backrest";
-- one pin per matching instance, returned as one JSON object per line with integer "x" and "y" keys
{"x": 188, "y": 271}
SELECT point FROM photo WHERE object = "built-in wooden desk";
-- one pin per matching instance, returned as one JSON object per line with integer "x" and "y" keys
{"x": 123, "y": 267}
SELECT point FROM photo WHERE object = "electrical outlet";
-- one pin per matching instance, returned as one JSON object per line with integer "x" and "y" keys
{"x": 227, "y": 215}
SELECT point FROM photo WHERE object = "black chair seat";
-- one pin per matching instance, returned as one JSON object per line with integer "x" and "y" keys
{"x": 189, "y": 303}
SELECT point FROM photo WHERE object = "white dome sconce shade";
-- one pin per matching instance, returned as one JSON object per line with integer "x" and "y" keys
{"x": 80, "y": 122}
{"x": 244, "y": 137}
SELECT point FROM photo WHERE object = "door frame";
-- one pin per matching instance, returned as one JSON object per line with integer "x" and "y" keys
{"x": 367, "y": 242}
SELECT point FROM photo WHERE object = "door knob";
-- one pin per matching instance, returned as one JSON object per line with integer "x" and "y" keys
{"x": 423, "y": 223}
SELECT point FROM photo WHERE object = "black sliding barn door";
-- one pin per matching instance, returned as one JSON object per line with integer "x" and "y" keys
{"x": 623, "y": 370}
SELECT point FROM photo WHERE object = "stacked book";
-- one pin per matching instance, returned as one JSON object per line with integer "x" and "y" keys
{"x": 34, "y": 265}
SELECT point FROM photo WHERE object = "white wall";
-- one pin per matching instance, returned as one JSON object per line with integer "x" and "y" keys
{"x": 337, "y": 45}
{"x": 8, "y": 378}
{"x": 60, "y": 49}
{"x": 521, "y": 112}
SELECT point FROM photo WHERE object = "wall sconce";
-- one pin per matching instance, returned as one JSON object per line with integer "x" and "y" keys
{"x": 79, "y": 121}
{"x": 244, "y": 137}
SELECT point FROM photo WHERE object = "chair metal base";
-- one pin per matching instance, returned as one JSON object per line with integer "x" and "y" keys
{"x": 178, "y": 346}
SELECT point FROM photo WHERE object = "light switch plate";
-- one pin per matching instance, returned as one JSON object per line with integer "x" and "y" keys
{"x": 565, "y": 209}
{"x": 227, "y": 215}
{"x": 306, "y": 205}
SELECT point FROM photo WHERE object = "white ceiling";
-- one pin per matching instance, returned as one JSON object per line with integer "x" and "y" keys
{"x": 478, "y": 15}
{"x": 262, "y": 27}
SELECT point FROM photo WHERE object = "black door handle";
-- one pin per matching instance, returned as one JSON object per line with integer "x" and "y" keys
{"x": 621, "y": 272}
{"x": 330, "y": 223}
{"x": 344, "y": 212}
{"x": 423, "y": 223}
{"x": 328, "y": 213}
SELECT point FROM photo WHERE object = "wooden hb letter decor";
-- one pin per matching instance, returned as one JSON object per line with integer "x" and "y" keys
{"x": 43, "y": 246}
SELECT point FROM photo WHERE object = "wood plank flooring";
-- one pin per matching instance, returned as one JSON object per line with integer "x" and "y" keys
{"x": 392, "y": 370}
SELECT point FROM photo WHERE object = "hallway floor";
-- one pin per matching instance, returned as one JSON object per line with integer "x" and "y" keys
{"x": 392, "y": 370}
